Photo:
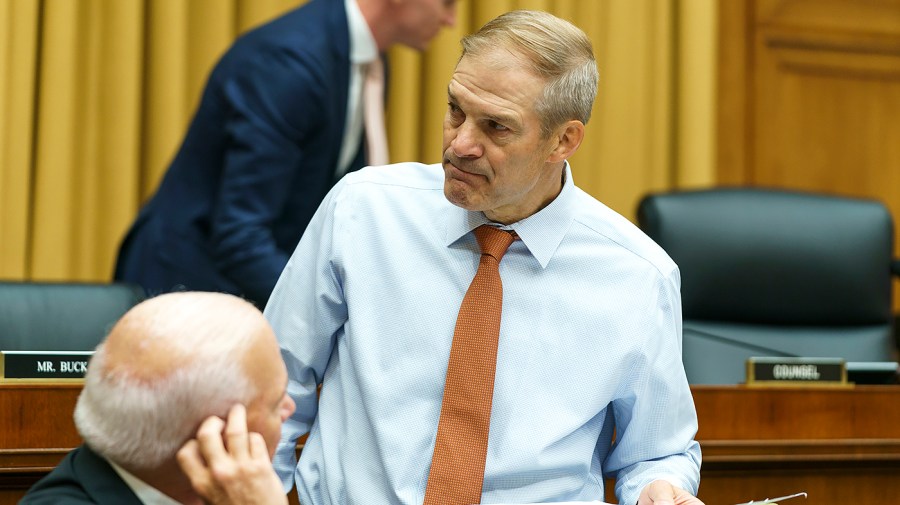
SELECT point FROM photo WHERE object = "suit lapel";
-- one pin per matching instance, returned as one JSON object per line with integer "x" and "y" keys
{"x": 339, "y": 35}
{"x": 100, "y": 481}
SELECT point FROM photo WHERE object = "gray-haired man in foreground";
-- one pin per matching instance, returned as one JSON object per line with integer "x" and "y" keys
{"x": 169, "y": 364}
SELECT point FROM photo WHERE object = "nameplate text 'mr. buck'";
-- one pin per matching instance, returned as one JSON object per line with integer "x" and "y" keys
{"x": 43, "y": 365}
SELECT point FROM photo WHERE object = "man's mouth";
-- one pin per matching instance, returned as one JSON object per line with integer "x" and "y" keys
{"x": 461, "y": 167}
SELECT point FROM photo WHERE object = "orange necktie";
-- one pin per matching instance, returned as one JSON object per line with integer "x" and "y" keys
{"x": 457, "y": 466}
{"x": 373, "y": 114}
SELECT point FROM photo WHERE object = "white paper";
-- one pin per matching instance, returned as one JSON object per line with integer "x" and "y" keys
{"x": 774, "y": 501}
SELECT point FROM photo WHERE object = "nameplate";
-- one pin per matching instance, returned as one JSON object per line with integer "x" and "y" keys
{"x": 796, "y": 371}
{"x": 43, "y": 365}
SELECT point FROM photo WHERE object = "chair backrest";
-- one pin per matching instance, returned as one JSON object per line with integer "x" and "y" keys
{"x": 775, "y": 273}
{"x": 38, "y": 316}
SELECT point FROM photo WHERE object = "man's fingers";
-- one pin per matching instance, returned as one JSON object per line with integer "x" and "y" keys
{"x": 240, "y": 473}
{"x": 192, "y": 465}
{"x": 258, "y": 448}
{"x": 236, "y": 433}
{"x": 209, "y": 436}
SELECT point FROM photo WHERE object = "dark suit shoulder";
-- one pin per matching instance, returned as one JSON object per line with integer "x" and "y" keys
{"x": 315, "y": 33}
{"x": 81, "y": 477}
{"x": 287, "y": 71}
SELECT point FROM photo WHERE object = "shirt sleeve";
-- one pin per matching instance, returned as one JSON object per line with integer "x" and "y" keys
{"x": 656, "y": 420}
{"x": 272, "y": 107}
{"x": 307, "y": 311}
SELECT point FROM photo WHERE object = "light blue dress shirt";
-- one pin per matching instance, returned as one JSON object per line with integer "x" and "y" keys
{"x": 590, "y": 342}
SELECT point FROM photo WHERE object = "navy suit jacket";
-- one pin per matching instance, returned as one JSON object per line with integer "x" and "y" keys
{"x": 81, "y": 477}
{"x": 258, "y": 158}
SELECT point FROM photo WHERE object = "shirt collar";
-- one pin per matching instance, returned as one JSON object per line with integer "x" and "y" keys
{"x": 147, "y": 494}
{"x": 542, "y": 232}
{"x": 362, "y": 43}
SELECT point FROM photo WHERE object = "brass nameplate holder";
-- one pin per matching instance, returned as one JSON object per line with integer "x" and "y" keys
{"x": 772, "y": 371}
{"x": 43, "y": 366}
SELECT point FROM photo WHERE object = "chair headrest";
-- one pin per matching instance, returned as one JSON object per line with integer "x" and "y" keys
{"x": 38, "y": 316}
{"x": 776, "y": 257}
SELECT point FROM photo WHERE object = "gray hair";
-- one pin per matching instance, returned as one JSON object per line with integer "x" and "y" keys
{"x": 553, "y": 49}
{"x": 140, "y": 422}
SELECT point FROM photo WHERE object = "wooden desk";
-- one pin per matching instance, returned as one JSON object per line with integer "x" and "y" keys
{"x": 36, "y": 432}
{"x": 841, "y": 446}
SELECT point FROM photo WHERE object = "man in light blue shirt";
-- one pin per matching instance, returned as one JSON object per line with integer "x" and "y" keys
{"x": 589, "y": 381}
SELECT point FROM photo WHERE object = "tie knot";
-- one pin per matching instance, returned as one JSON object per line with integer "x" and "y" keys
{"x": 493, "y": 241}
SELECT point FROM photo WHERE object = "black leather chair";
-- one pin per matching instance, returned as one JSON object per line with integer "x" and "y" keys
{"x": 38, "y": 316}
{"x": 775, "y": 273}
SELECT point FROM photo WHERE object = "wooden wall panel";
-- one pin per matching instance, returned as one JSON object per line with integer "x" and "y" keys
{"x": 827, "y": 106}
{"x": 809, "y": 97}
{"x": 734, "y": 136}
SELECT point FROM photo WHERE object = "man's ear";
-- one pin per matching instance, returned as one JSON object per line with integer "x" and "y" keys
{"x": 568, "y": 137}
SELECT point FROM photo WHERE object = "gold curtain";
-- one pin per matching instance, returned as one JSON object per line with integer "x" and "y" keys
{"x": 95, "y": 96}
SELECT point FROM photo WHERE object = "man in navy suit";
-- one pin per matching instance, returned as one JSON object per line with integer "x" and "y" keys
{"x": 169, "y": 364}
{"x": 278, "y": 124}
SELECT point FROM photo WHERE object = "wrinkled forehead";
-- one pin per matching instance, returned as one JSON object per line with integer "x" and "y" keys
{"x": 500, "y": 57}
{"x": 497, "y": 76}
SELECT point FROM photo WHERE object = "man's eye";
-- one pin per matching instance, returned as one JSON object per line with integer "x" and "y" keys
{"x": 497, "y": 126}
{"x": 453, "y": 108}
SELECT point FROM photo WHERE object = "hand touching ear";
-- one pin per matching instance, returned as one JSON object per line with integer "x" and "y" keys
{"x": 227, "y": 465}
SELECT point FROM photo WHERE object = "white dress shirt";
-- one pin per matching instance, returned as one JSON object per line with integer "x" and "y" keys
{"x": 363, "y": 51}
{"x": 590, "y": 342}
{"x": 147, "y": 494}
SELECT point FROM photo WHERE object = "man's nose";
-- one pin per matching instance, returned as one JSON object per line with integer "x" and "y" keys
{"x": 466, "y": 144}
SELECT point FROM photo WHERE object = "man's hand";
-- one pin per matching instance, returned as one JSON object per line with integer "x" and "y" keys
{"x": 239, "y": 474}
{"x": 660, "y": 492}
